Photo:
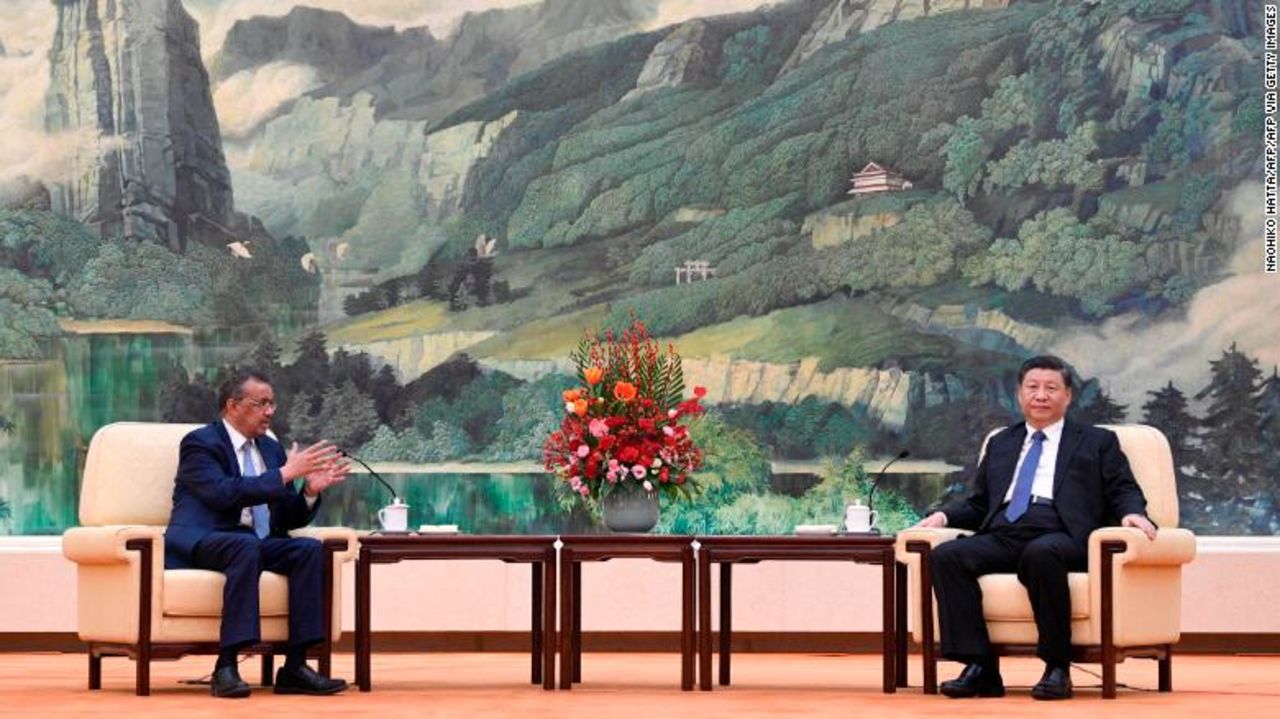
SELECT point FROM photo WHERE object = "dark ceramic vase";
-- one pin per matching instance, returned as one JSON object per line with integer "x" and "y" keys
{"x": 629, "y": 511}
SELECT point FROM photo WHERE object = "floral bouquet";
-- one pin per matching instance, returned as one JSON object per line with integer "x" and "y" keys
{"x": 626, "y": 427}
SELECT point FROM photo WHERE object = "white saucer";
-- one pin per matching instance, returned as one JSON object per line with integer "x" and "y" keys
{"x": 820, "y": 529}
{"x": 438, "y": 529}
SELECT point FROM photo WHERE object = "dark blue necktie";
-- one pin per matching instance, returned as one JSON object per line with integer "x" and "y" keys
{"x": 1026, "y": 477}
{"x": 261, "y": 515}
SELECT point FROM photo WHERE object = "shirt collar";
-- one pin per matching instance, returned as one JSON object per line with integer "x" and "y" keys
{"x": 238, "y": 440}
{"x": 1052, "y": 433}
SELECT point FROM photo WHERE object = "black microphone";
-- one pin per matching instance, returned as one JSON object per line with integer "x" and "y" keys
{"x": 879, "y": 476}
{"x": 345, "y": 453}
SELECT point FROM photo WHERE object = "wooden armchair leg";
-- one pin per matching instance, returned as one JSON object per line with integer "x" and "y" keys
{"x": 928, "y": 653}
{"x": 1166, "y": 669}
{"x": 331, "y": 547}
{"x": 1109, "y": 679}
{"x": 268, "y": 668}
{"x": 145, "y": 550}
{"x": 1109, "y": 550}
{"x": 95, "y": 669}
{"x": 142, "y": 685}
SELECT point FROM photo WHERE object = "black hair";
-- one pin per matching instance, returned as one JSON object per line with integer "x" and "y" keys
{"x": 233, "y": 386}
{"x": 1048, "y": 362}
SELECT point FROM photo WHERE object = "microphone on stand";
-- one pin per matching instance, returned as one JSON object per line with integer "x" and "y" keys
{"x": 880, "y": 475}
{"x": 394, "y": 497}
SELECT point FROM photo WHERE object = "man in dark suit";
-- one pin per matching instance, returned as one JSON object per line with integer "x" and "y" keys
{"x": 1042, "y": 487}
{"x": 234, "y": 502}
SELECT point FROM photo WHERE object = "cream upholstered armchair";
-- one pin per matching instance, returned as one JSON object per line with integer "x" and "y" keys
{"x": 129, "y": 604}
{"x": 1128, "y": 604}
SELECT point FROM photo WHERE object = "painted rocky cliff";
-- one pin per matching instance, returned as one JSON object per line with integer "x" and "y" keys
{"x": 128, "y": 80}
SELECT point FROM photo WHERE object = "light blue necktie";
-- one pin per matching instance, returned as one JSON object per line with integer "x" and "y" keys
{"x": 1026, "y": 477}
{"x": 261, "y": 515}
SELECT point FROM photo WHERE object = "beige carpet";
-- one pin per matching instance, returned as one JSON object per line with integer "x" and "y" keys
{"x": 633, "y": 685}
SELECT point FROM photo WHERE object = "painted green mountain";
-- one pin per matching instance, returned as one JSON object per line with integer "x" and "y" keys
{"x": 1068, "y": 161}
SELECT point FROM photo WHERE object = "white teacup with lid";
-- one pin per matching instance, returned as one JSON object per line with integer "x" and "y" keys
{"x": 858, "y": 517}
{"x": 395, "y": 516}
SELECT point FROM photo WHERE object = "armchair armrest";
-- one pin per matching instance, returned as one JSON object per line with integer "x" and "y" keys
{"x": 1171, "y": 547}
{"x": 329, "y": 535}
{"x": 107, "y": 544}
{"x": 933, "y": 537}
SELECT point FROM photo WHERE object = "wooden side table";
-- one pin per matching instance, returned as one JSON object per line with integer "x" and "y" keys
{"x": 537, "y": 551}
{"x": 601, "y": 548}
{"x": 727, "y": 551}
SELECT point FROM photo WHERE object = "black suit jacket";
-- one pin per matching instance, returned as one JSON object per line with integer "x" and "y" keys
{"x": 210, "y": 492}
{"x": 1092, "y": 483}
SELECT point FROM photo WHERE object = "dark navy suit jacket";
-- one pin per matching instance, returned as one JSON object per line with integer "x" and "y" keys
{"x": 210, "y": 492}
{"x": 1092, "y": 483}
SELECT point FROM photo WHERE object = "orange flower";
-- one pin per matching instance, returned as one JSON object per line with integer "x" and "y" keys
{"x": 624, "y": 391}
{"x": 593, "y": 375}
{"x": 572, "y": 395}
{"x": 580, "y": 407}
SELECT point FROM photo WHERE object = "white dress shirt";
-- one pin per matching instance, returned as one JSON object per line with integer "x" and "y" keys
{"x": 1042, "y": 485}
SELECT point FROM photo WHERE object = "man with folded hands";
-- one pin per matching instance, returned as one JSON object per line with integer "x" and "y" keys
{"x": 234, "y": 502}
{"x": 1042, "y": 487}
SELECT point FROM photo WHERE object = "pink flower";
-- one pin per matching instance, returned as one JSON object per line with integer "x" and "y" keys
{"x": 584, "y": 490}
{"x": 583, "y": 451}
{"x": 638, "y": 471}
{"x": 669, "y": 431}
{"x": 672, "y": 414}
{"x": 598, "y": 428}
{"x": 648, "y": 486}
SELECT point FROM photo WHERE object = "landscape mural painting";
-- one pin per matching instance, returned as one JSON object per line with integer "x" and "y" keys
{"x": 853, "y": 219}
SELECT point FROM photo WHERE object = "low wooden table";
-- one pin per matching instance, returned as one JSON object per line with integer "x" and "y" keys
{"x": 537, "y": 551}
{"x": 727, "y": 551}
{"x": 600, "y": 548}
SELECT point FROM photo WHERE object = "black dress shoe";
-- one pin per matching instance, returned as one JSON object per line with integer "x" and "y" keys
{"x": 305, "y": 680}
{"x": 1055, "y": 684}
{"x": 227, "y": 684}
{"x": 977, "y": 680}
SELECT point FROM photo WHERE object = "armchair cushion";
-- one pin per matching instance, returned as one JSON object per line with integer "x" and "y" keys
{"x": 129, "y": 472}
{"x": 1004, "y": 599}
{"x": 198, "y": 593}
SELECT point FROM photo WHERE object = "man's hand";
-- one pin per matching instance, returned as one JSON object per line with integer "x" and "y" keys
{"x": 1137, "y": 521}
{"x": 315, "y": 458}
{"x": 322, "y": 479}
{"x": 937, "y": 520}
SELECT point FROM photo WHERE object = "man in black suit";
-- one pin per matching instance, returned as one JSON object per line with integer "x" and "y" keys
{"x": 1043, "y": 485}
{"x": 234, "y": 502}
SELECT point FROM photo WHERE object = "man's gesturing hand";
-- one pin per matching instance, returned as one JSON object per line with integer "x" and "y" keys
{"x": 1139, "y": 522}
{"x": 322, "y": 479}
{"x": 315, "y": 458}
